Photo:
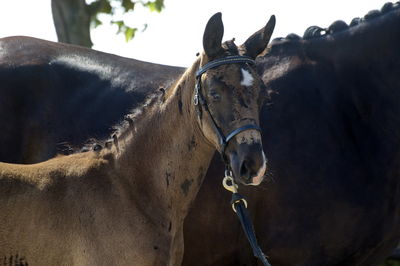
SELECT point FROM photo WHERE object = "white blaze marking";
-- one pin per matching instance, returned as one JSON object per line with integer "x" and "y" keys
{"x": 247, "y": 78}
{"x": 260, "y": 174}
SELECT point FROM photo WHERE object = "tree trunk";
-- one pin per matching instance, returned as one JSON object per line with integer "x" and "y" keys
{"x": 72, "y": 21}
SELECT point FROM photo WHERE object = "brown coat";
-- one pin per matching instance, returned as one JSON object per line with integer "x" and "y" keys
{"x": 126, "y": 205}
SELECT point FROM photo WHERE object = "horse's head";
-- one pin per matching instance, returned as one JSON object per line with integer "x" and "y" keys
{"x": 227, "y": 96}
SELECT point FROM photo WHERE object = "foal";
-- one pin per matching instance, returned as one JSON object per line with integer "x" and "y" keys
{"x": 126, "y": 205}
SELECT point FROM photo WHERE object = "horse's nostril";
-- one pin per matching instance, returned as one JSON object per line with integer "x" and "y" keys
{"x": 245, "y": 169}
{"x": 248, "y": 164}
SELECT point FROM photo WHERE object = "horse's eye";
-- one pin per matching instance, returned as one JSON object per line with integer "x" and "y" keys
{"x": 215, "y": 97}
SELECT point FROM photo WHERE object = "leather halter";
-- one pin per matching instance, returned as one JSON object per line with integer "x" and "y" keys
{"x": 198, "y": 97}
{"x": 239, "y": 204}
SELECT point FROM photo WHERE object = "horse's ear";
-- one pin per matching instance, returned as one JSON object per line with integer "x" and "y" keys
{"x": 213, "y": 34}
{"x": 257, "y": 42}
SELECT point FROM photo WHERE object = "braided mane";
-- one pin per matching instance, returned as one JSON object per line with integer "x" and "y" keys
{"x": 339, "y": 25}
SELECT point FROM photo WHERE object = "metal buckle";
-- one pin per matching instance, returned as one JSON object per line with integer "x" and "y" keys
{"x": 241, "y": 200}
{"x": 196, "y": 94}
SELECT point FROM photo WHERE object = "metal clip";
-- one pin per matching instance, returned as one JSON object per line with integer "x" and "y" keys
{"x": 196, "y": 94}
{"x": 230, "y": 185}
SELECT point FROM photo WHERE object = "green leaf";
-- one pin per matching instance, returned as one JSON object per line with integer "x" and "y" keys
{"x": 105, "y": 7}
{"x": 120, "y": 24}
{"x": 130, "y": 33}
{"x": 156, "y": 5}
{"x": 128, "y": 5}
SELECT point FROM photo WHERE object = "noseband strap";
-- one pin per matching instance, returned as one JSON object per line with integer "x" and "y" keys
{"x": 241, "y": 129}
{"x": 198, "y": 98}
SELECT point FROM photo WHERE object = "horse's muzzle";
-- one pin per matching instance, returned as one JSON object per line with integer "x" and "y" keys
{"x": 248, "y": 163}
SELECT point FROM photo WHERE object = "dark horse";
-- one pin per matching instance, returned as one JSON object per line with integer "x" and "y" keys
{"x": 332, "y": 136}
{"x": 330, "y": 132}
{"x": 54, "y": 93}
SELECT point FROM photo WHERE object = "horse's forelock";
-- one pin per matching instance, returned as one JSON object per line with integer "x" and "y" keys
{"x": 230, "y": 48}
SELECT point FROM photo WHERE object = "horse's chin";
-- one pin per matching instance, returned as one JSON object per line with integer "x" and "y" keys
{"x": 259, "y": 178}
{"x": 256, "y": 182}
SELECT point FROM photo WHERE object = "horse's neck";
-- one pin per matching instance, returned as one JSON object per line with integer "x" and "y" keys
{"x": 165, "y": 159}
{"x": 362, "y": 65}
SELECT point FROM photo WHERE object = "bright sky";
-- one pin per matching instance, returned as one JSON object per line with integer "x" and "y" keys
{"x": 174, "y": 36}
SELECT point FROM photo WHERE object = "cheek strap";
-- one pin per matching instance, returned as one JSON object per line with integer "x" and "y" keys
{"x": 198, "y": 98}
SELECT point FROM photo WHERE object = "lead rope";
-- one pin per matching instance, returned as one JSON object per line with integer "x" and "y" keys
{"x": 239, "y": 206}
